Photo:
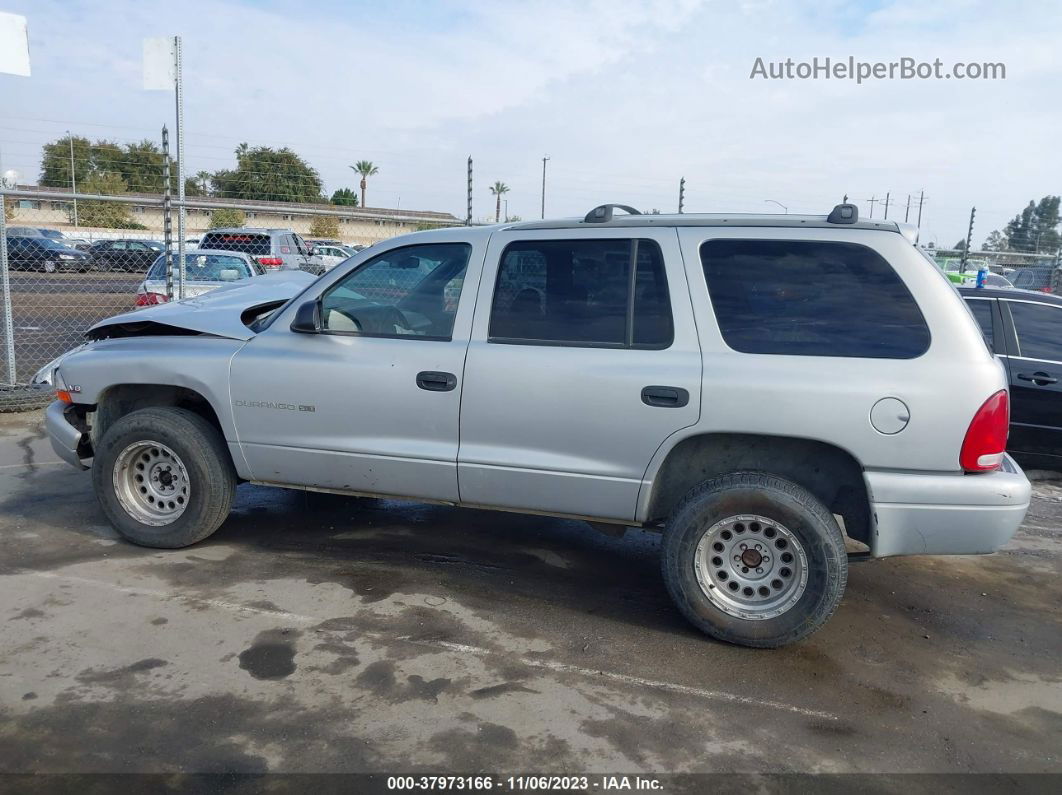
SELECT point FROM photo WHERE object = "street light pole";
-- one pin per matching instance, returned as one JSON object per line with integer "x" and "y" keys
{"x": 73, "y": 177}
{"x": 772, "y": 201}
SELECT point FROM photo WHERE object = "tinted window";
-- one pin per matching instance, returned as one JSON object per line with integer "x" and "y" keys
{"x": 255, "y": 245}
{"x": 982, "y": 312}
{"x": 411, "y": 291}
{"x": 578, "y": 292}
{"x": 1039, "y": 330}
{"x": 811, "y": 298}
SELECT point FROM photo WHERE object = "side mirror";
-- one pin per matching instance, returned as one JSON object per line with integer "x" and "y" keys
{"x": 307, "y": 319}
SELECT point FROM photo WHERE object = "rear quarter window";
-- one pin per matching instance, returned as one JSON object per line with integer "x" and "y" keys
{"x": 811, "y": 298}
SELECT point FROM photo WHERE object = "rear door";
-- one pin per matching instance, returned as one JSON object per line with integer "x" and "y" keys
{"x": 579, "y": 367}
{"x": 1034, "y": 364}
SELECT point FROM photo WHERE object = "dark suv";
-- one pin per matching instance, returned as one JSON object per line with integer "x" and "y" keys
{"x": 124, "y": 255}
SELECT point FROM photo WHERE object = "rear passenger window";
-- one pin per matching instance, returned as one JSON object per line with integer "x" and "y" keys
{"x": 811, "y": 298}
{"x": 581, "y": 293}
{"x": 1039, "y": 330}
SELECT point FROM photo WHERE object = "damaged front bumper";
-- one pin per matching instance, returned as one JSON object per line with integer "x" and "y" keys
{"x": 68, "y": 440}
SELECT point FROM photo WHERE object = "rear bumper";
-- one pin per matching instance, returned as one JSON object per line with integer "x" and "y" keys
{"x": 947, "y": 514}
{"x": 66, "y": 439}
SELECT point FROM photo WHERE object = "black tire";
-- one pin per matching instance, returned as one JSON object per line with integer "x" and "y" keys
{"x": 774, "y": 498}
{"x": 211, "y": 476}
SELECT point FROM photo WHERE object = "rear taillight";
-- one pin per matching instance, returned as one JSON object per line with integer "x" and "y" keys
{"x": 270, "y": 262}
{"x": 150, "y": 299}
{"x": 986, "y": 438}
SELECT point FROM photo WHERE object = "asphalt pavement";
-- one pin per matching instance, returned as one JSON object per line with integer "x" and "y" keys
{"x": 321, "y": 633}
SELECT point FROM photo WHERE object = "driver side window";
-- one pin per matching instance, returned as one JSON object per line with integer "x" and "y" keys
{"x": 407, "y": 292}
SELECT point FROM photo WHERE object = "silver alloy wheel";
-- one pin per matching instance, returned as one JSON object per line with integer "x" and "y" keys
{"x": 151, "y": 483}
{"x": 751, "y": 567}
{"x": 49, "y": 266}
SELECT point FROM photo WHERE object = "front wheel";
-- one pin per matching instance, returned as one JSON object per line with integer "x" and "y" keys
{"x": 754, "y": 559}
{"x": 164, "y": 477}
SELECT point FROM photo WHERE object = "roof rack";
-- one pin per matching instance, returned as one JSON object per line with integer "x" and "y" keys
{"x": 602, "y": 214}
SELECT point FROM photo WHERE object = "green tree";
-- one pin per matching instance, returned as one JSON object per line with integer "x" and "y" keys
{"x": 325, "y": 226}
{"x": 1035, "y": 228}
{"x": 203, "y": 178}
{"x": 104, "y": 214}
{"x": 55, "y": 162}
{"x": 192, "y": 187}
{"x": 225, "y": 217}
{"x": 267, "y": 174}
{"x": 995, "y": 242}
{"x": 345, "y": 197}
{"x": 498, "y": 189}
{"x": 366, "y": 169}
{"x": 140, "y": 165}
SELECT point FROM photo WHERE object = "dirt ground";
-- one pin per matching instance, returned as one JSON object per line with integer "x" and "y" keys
{"x": 316, "y": 633}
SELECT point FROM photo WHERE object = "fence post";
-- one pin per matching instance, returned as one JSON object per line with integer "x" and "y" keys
{"x": 167, "y": 221}
{"x": 5, "y": 285}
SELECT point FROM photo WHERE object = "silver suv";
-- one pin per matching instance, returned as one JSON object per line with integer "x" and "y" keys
{"x": 273, "y": 249}
{"x": 772, "y": 393}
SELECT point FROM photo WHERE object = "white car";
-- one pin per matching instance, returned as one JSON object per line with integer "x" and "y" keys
{"x": 332, "y": 255}
{"x": 203, "y": 271}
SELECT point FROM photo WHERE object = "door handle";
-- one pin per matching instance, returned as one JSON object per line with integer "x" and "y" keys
{"x": 665, "y": 397}
{"x": 434, "y": 381}
{"x": 1040, "y": 378}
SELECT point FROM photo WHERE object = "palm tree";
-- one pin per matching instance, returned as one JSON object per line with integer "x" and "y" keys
{"x": 204, "y": 181}
{"x": 366, "y": 169}
{"x": 497, "y": 189}
{"x": 241, "y": 152}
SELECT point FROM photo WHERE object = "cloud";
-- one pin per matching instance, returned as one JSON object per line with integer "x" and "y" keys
{"x": 626, "y": 96}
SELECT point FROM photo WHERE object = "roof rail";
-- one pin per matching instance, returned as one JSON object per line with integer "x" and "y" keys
{"x": 603, "y": 213}
{"x": 843, "y": 214}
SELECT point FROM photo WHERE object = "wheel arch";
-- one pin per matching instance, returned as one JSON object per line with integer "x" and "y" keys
{"x": 118, "y": 400}
{"x": 829, "y": 472}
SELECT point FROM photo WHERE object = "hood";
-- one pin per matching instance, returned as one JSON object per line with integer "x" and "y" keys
{"x": 218, "y": 313}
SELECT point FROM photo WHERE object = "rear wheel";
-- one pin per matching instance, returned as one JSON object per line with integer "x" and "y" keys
{"x": 163, "y": 477}
{"x": 754, "y": 559}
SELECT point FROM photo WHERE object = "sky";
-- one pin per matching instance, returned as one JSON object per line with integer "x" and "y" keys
{"x": 625, "y": 96}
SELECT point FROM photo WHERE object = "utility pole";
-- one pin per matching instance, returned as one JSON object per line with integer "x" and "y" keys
{"x": 73, "y": 177}
{"x": 682, "y": 194}
{"x": 887, "y": 194}
{"x": 969, "y": 237}
{"x": 468, "y": 217}
{"x": 506, "y": 202}
{"x": 872, "y": 201}
{"x": 907, "y": 214}
{"x": 921, "y": 198}
{"x": 544, "y": 159}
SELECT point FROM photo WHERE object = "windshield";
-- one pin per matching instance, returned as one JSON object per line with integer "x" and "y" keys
{"x": 205, "y": 268}
{"x": 256, "y": 245}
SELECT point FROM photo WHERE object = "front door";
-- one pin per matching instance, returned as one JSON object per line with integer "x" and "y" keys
{"x": 371, "y": 402}
{"x": 1035, "y": 369}
{"x": 583, "y": 360}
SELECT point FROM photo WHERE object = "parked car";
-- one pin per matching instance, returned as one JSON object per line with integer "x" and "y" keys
{"x": 991, "y": 280}
{"x": 1041, "y": 278}
{"x": 273, "y": 249}
{"x": 203, "y": 271}
{"x": 1024, "y": 329}
{"x": 35, "y": 231}
{"x": 44, "y": 254}
{"x": 331, "y": 255}
{"x": 123, "y": 255}
{"x": 735, "y": 382}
